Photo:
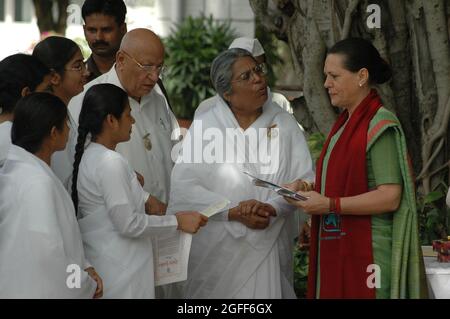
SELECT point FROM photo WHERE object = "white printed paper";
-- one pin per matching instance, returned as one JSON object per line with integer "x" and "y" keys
{"x": 171, "y": 251}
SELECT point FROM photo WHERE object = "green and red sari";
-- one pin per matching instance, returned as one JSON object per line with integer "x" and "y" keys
{"x": 366, "y": 151}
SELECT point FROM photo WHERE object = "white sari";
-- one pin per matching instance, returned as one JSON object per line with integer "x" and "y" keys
{"x": 228, "y": 259}
{"x": 40, "y": 242}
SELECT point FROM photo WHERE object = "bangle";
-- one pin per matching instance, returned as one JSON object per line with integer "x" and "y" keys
{"x": 304, "y": 186}
{"x": 332, "y": 204}
{"x": 338, "y": 205}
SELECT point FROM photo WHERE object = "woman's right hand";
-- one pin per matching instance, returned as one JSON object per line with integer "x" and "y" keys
{"x": 190, "y": 222}
{"x": 299, "y": 185}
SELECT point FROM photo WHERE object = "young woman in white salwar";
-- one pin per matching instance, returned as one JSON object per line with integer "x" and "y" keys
{"x": 41, "y": 252}
{"x": 69, "y": 75}
{"x": 245, "y": 251}
{"x": 111, "y": 203}
{"x": 20, "y": 74}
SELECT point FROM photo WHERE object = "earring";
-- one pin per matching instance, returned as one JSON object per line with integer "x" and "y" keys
{"x": 360, "y": 85}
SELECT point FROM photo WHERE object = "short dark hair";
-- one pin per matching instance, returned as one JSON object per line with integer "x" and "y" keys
{"x": 113, "y": 8}
{"x": 17, "y": 72}
{"x": 34, "y": 117}
{"x": 359, "y": 53}
{"x": 55, "y": 52}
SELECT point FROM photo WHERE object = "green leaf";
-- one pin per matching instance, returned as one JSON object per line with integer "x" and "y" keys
{"x": 433, "y": 196}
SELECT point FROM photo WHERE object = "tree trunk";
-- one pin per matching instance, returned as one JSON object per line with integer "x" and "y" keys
{"x": 44, "y": 14}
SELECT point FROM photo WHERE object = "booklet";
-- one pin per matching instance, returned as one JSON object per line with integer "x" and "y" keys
{"x": 276, "y": 188}
{"x": 171, "y": 251}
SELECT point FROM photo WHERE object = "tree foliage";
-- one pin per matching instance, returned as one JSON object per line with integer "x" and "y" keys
{"x": 190, "y": 50}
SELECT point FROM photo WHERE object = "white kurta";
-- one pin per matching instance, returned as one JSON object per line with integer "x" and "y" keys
{"x": 5, "y": 140}
{"x": 155, "y": 123}
{"x": 228, "y": 259}
{"x": 39, "y": 234}
{"x": 116, "y": 231}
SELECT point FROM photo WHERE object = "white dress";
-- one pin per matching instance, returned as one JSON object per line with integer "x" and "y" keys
{"x": 5, "y": 140}
{"x": 39, "y": 234}
{"x": 228, "y": 259}
{"x": 116, "y": 231}
{"x": 149, "y": 149}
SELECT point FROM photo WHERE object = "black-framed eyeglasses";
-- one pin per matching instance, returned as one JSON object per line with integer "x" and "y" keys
{"x": 260, "y": 70}
{"x": 159, "y": 69}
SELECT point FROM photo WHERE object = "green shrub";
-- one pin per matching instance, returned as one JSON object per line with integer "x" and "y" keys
{"x": 315, "y": 145}
{"x": 301, "y": 263}
{"x": 190, "y": 51}
{"x": 434, "y": 215}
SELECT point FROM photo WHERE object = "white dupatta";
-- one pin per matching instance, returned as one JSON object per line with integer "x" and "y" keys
{"x": 225, "y": 254}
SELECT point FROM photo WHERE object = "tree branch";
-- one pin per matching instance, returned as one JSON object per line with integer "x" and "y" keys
{"x": 348, "y": 18}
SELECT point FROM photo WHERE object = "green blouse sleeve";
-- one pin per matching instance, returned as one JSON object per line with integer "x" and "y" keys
{"x": 384, "y": 160}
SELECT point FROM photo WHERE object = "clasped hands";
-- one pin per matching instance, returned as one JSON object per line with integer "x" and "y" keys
{"x": 252, "y": 213}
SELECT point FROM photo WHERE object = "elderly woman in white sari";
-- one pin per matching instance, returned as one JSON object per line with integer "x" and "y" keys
{"x": 246, "y": 250}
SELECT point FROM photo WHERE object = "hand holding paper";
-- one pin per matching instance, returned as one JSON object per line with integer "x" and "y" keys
{"x": 276, "y": 188}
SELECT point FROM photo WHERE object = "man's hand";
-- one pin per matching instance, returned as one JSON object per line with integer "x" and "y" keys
{"x": 99, "y": 291}
{"x": 140, "y": 178}
{"x": 154, "y": 207}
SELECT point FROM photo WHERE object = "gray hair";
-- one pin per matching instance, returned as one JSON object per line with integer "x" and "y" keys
{"x": 221, "y": 72}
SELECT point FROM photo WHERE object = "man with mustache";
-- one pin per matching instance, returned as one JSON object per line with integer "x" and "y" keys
{"x": 104, "y": 27}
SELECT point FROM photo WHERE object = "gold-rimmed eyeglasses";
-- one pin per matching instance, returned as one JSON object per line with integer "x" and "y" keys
{"x": 260, "y": 70}
{"x": 78, "y": 68}
{"x": 159, "y": 69}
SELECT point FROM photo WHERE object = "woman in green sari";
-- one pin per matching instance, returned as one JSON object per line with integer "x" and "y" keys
{"x": 364, "y": 235}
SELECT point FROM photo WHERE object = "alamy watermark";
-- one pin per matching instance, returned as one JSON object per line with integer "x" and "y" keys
{"x": 374, "y": 19}
{"x": 233, "y": 145}
{"x": 374, "y": 279}
{"x": 74, "y": 279}
{"x": 74, "y": 14}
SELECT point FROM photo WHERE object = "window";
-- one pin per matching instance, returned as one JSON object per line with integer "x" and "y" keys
{"x": 2, "y": 10}
{"x": 23, "y": 10}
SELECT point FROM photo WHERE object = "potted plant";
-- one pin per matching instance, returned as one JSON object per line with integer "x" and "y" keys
{"x": 190, "y": 50}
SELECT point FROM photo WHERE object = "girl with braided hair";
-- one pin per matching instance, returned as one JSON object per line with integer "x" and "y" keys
{"x": 110, "y": 202}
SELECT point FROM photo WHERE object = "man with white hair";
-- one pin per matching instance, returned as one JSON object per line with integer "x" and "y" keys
{"x": 139, "y": 63}
{"x": 255, "y": 48}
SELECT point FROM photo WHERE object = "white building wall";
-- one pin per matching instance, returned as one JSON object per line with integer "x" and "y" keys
{"x": 159, "y": 15}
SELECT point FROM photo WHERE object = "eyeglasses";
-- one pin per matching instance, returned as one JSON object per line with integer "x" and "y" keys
{"x": 260, "y": 70}
{"x": 79, "y": 68}
{"x": 159, "y": 69}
